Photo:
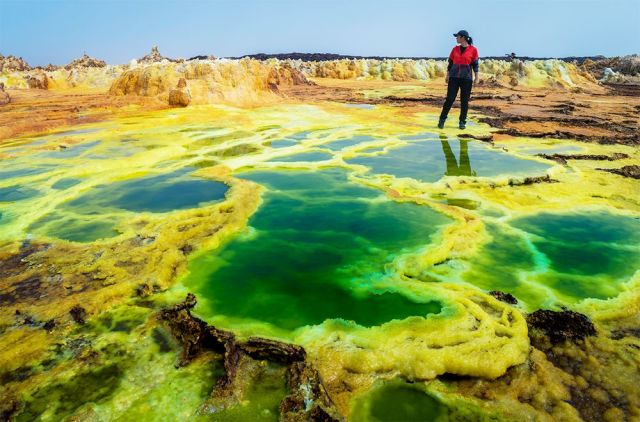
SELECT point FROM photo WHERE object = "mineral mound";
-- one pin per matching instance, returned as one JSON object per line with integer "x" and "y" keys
{"x": 231, "y": 81}
{"x": 85, "y": 61}
{"x": 13, "y": 64}
{"x": 180, "y": 96}
{"x": 154, "y": 56}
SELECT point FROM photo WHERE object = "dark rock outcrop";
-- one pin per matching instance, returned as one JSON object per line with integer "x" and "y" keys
{"x": 192, "y": 333}
{"x": 532, "y": 180}
{"x": 561, "y": 325}
{"x": 286, "y": 75}
{"x": 307, "y": 399}
{"x": 50, "y": 68}
{"x": 154, "y": 56}
{"x": 504, "y": 297}
{"x": 210, "y": 57}
{"x": 13, "y": 64}
{"x": 85, "y": 61}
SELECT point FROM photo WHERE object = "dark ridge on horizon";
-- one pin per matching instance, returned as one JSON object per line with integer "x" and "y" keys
{"x": 323, "y": 57}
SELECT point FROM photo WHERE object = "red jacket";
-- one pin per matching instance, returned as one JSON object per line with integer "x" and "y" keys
{"x": 460, "y": 64}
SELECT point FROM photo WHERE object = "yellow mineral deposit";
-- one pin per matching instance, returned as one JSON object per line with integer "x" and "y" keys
{"x": 129, "y": 186}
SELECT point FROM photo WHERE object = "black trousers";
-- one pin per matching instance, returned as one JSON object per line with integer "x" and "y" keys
{"x": 464, "y": 85}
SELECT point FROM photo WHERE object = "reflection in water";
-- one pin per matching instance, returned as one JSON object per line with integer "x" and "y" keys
{"x": 453, "y": 168}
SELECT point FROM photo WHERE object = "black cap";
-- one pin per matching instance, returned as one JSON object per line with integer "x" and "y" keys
{"x": 462, "y": 32}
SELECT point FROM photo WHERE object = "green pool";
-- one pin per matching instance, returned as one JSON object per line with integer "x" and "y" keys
{"x": 315, "y": 250}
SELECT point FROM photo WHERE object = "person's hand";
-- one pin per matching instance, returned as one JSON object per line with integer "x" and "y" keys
{"x": 446, "y": 78}
{"x": 476, "y": 80}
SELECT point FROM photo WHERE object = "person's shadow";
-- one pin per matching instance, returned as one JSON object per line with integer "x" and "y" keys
{"x": 453, "y": 168}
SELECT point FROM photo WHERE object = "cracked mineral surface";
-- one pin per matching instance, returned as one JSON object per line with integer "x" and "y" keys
{"x": 341, "y": 258}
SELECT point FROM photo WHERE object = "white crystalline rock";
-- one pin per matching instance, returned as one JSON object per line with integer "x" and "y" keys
{"x": 365, "y": 69}
{"x": 308, "y": 396}
{"x": 608, "y": 74}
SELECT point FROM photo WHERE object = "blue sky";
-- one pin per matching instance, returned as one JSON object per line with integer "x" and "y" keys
{"x": 57, "y": 31}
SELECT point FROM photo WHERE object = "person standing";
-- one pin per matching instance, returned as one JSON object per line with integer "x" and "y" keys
{"x": 463, "y": 65}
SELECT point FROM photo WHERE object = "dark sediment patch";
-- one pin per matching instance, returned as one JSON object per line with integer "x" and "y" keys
{"x": 487, "y": 109}
{"x": 511, "y": 97}
{"x": 15, "y": 264}
{"x": 161, "y": 340}
{"x": 599, "y": 393}
{"x": 625, "y": 332}
{"x": 79, "y": 314}
{"x": 504, "y": 297}
{"x": 532, "y": 180}
{"x": 49, "y": 325}
{"x": 561, "y": 325}
{"x": 633, "y": 139}
{"x": 632, "y": 171}
{"x": 595, "y": 398}
{"x": 392, "y": 99}
{"x": 562, "y": 158}
{"x": 626, "y": 90}
{"x": 625, "y": 134}
{"x": 19, "y": 374}
{"x": 31, "y": 321}
{"x": 501, "y": 120}
{"x": 22, "y": 290}
{"x": 8, "y": 409}
{"x": 563, "y": 108}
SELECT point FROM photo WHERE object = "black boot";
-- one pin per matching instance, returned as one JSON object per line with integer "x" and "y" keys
{"x": 462, "y": 124}
{"x": 441, "y": 123}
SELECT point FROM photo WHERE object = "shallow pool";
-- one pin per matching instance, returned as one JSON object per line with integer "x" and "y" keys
{"x": 430, "y": 160}
{"x": 314, "y": 251}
